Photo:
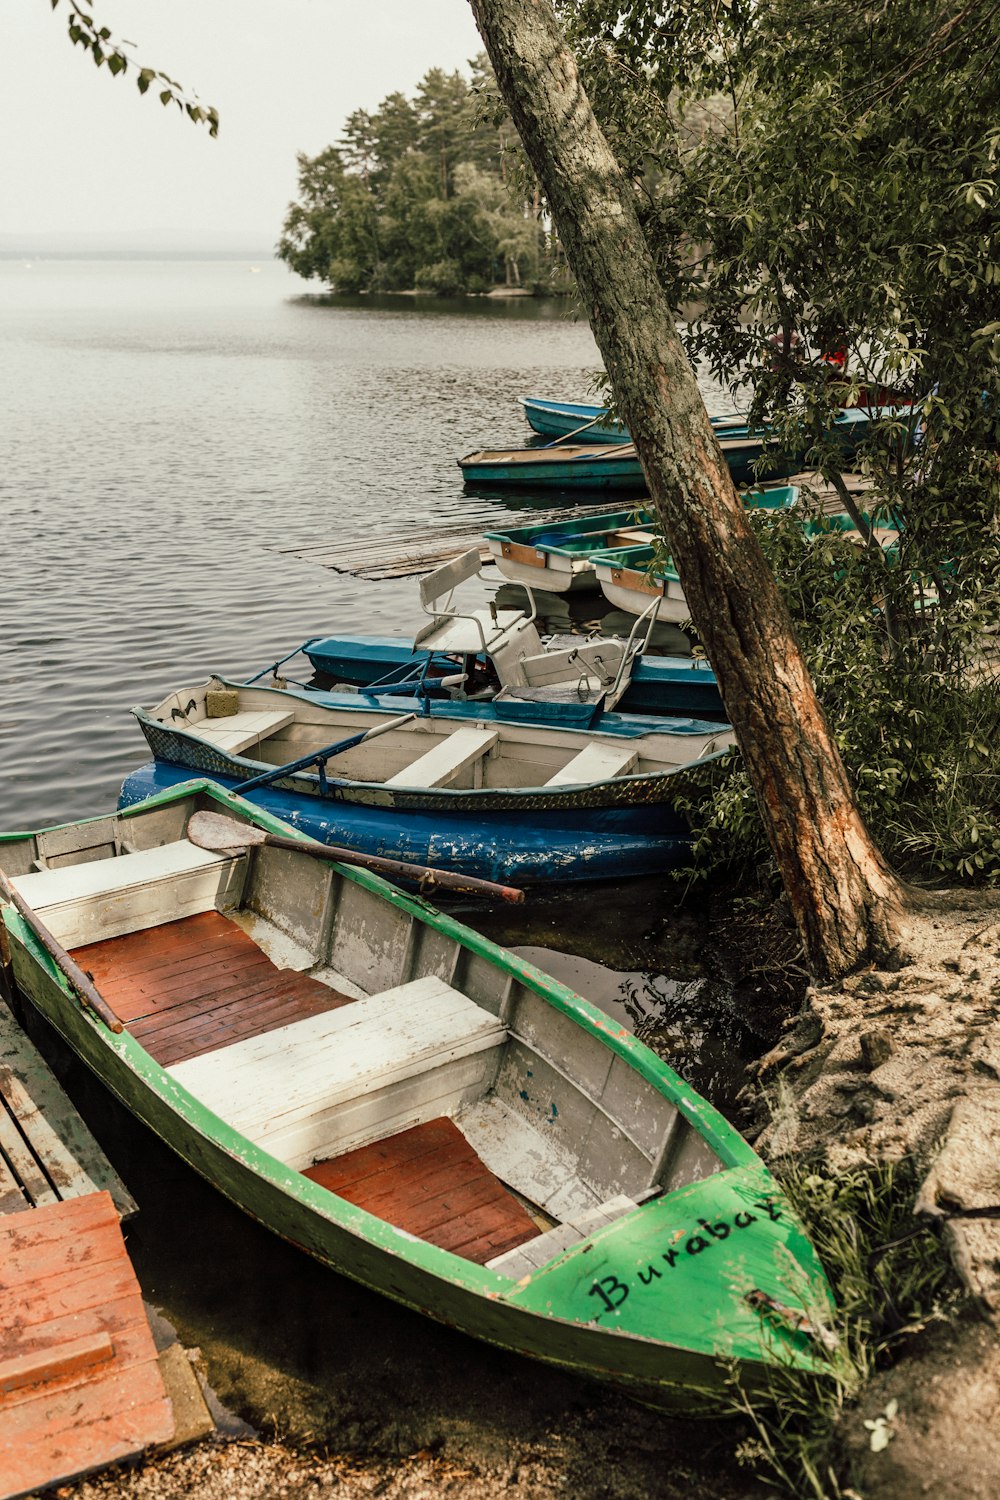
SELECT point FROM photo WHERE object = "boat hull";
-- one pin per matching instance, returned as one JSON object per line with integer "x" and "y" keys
{"x": 572, "y": 844}
{"x": 579, "y": 1326}
{"x": 566, "y": 418}
{"x": 659, "y": 685}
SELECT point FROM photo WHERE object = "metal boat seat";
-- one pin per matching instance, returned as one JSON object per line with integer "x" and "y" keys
{"x": 469, "y": 631}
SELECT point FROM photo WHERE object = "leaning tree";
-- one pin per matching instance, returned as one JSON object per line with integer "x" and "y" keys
{"x": 848, "y": 905}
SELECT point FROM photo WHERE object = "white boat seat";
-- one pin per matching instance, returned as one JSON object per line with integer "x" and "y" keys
{"x": 446, "y": 760}
{"x": 472, "y": 632}
{"x": 597, "y": 659}
{"x": 545, "y": 1247}
{"x": 109, "y": 897}
{"x": 598, "y": 762}
{"x": 237, "y": 732}
{"x": 325, "y": 1085}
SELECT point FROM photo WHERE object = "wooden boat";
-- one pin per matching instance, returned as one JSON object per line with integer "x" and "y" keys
{"x": 416, "y": 1108}
{"x": 534, "y": 803}
{"x": 554, "y": 557}
{"x": 593, "y": 424}
{"x": 587, "y": 466}
{"x": 631, "y": 578}
{"x": 616, "y": 465}
{"x": 558, "y": 557}
{"x": 495, "y": 659}
{"x": 582, "y": 420}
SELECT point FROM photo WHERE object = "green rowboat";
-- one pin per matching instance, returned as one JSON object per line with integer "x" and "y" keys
{"x": 415, "y": 1107}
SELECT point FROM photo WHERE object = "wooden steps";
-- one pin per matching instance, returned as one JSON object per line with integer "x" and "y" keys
{"x": 195, "y": 985}
{"x": 429, "y": 1181}
{"x": 47, "y": 1154}
{"x": 80, "y": 1386}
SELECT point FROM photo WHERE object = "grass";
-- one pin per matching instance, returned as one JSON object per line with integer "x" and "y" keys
{"x": 890, "y": 1278}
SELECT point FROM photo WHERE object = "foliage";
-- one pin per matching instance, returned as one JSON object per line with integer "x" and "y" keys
{"x": 890, "y": 1278}
{"x": 817, "y": 176}
{"x": 917, "y": 727}
{"x": 427, "y": 192}
{"x": 105, "y": 51}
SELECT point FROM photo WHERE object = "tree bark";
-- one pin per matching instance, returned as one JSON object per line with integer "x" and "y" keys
{"x": 848, "y": 905}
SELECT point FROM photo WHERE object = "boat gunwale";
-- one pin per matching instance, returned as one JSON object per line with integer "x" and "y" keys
{"x": 708, "y": 1123}
{"x": 635, "y": 788}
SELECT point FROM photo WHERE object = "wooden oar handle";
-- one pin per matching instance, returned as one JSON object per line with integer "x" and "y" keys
{"x": 399, "y": 869}
{"x": 81, "y": 982}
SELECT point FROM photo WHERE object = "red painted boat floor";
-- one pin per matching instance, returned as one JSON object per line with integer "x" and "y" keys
{"x": 429, "y": 1181}
{"x": 190, "y": 986}
{"x": 80, "y": 1386}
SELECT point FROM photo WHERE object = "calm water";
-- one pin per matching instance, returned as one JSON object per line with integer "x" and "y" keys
{"x": 169, "y": 428}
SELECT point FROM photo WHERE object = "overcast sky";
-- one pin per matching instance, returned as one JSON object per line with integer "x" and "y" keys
{"x": 85, "y": 156}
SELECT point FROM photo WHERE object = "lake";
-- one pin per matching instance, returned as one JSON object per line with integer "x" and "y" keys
{"x": 171, "y": 428}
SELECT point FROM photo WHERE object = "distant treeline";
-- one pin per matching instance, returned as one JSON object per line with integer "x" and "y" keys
{"x": 431, "y": 193}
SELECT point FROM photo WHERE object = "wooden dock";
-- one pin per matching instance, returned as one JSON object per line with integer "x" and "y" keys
{"x": 47, "y": 1154}
{"x": 416, "y": 550}
{"x": 81, "y": 1382}
{"x": 404, "y": 554}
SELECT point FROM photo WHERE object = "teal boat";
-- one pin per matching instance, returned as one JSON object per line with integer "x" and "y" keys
{"x": 594, "y": 424}
{"x": 631, "y": 578}
{"x": 413, "y": 1106}
{"x": 584, "y": 466}
{"x": 558, "y": 557}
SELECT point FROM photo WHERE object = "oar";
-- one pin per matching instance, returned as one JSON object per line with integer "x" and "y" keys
{"x": 336, "y": 748}
{"x": 226, "y": 836}
{"x": 564, "y": 437}
{"x": 81, "y": 982}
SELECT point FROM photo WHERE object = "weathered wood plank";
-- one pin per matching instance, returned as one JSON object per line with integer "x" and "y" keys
{"x": 79, "y": 1374}
{"x": 66, "y": 1151}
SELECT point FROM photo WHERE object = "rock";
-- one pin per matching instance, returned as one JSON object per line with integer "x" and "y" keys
{"x": 876, "y": 1048}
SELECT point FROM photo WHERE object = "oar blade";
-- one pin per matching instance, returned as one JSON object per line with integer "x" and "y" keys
{"x": 222, "y": 835}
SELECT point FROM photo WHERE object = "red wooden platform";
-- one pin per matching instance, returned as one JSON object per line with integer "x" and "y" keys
{"x": 190, "y": 986}
{"x": 429, "y": 1181}
{"x": 79, "y": 1382}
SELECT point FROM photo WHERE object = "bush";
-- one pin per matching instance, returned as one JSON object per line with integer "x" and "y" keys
{"x": 444, "y": 279}
{"x": 916, "y": 727}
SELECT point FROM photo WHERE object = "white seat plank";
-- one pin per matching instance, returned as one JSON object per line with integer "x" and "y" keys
{"x": 296, "y": 1090}
{"x": 596, "y": 763}
{"x": 108, "y": 897}
{"x": 446, "y": 761}
{"x": 236, "y": 732}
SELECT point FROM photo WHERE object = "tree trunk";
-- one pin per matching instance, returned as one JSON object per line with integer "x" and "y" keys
{"x": 848, "y": 905}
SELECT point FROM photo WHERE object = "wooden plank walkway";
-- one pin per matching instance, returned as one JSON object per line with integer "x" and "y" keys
{"x": 47, "y": 1154}
{"x": 80, "y": 1386}
{"x": 405, "y": 554}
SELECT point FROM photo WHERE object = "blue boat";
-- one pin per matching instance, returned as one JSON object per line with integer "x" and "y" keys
{"x": 592, "y": 424}
{"x": 516, "y": 802}
{"x": 584, "y": 466}
{"x": 587, "y": 423}
{"x": 743, "y": 448}
{"x": 495, "y": 659}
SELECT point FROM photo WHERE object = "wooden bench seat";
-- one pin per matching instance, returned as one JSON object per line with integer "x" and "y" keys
{"x": 336, "y": 1081}
{"x": 598, "y": 762}
{"x": 237, "y": 732}
{"x": 446, "y": 760}
{"x": 85, "y": 903}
